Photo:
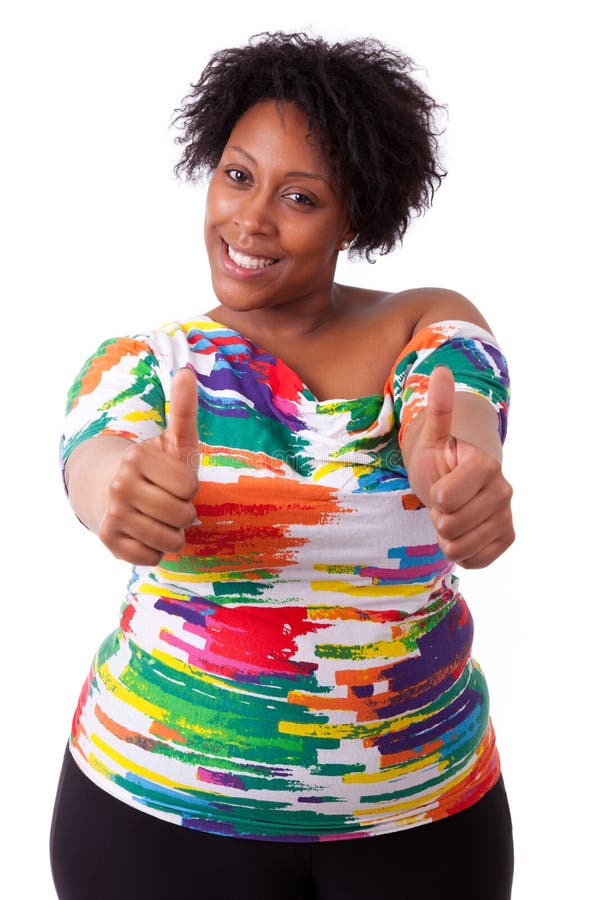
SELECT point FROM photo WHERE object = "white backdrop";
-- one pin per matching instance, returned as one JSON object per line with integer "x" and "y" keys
{"x": 99, "y": 239}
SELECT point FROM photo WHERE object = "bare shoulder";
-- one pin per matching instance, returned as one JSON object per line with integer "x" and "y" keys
{"x": 427, "y": 305}
{"x": 406, "y": 312}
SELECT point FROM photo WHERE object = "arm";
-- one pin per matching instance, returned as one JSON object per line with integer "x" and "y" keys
{"x": 88, "y": 472}
{"x": 473, "y": 421}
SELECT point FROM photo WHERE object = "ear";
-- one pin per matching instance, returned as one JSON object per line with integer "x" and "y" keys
{"x": 348, "y": 235}
{"x": 349, "y": 232}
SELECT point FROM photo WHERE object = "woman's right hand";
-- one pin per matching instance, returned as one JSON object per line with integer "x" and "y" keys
{"x": 148, "y": 504}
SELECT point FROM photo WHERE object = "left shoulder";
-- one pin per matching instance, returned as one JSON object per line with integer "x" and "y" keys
{"x": 431, "y": 304}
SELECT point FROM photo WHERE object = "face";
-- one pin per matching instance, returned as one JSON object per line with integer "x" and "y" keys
{"x": 274, "y": 221}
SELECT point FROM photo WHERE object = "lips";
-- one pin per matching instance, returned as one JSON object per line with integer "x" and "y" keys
{"x": 246, "y": 263}
{"x": 249, "y": 262}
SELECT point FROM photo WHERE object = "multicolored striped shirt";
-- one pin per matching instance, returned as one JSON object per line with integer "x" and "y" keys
{"x": 301, "y": 670}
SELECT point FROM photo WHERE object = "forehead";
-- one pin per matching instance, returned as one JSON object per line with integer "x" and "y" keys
{"x": 278, "y": 129}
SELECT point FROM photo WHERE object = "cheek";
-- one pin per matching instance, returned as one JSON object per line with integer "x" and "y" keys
{"x": 218, "y": 205}
{"x": 215, "y": 216}
{"x": 314, "y": 237}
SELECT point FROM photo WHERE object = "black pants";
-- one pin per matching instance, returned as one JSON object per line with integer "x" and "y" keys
{"x": 103, "y": 849}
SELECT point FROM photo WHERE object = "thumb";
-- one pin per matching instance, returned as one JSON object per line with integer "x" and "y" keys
{"x": 181, "y": 435}
{"x": 440, "y": 403}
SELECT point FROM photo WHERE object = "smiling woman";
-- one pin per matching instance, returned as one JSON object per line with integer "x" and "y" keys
{"x": 274, "y": 221}
{"x": 293, "y": 477}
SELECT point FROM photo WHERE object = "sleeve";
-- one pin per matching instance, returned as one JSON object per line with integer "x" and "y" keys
{"x": 470, "y": 352}
{"x": 118, "y": 391}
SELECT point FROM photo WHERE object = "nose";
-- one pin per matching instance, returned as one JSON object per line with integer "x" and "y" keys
{"x": 254, "y": 215}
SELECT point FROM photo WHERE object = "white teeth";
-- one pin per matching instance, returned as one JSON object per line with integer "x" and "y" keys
{"x": 249, "y": 262}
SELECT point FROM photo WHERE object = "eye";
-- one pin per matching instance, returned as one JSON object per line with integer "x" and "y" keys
{"x": 237, "y": 175}
{"x": 300, "y": 199}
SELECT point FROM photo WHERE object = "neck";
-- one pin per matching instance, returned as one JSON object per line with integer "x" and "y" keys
{"x": 285, "y": 322}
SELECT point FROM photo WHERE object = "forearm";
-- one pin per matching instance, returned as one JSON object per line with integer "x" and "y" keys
{"x": 88, "y": 473}
{"x": 474, "y": 420}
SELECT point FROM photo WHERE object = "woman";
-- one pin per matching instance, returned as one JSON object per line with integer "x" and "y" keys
{"x": 293, "y": 476}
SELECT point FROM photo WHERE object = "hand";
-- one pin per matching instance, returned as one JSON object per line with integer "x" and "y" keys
{"x": 148, "y": 505}
{"x": 462, "y": 485}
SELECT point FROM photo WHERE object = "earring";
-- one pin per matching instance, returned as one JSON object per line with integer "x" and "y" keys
{"x": 344, "y": 245}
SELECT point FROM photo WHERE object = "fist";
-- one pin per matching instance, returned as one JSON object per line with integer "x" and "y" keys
{"x": 462, "y": 485}
{"x": 149, "y": 498}
{"x": 470, "y": 509}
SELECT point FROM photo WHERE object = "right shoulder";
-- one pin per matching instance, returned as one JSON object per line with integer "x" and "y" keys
{"x": 162, "y": 351}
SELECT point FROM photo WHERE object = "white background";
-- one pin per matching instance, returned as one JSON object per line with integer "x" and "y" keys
{"x": 99, "y": 239}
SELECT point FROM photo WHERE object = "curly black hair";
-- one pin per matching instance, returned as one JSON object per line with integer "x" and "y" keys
{"x": 374, "y": 122}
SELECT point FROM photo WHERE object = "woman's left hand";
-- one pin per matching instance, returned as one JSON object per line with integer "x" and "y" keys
{"x": 462, "y": 485}
{"x": 470, "y": 509}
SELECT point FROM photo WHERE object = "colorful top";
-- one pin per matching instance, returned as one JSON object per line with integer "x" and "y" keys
{"x": 301, "y": 670}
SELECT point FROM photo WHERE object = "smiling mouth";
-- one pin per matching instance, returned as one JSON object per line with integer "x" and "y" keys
{"x": 248, "y": 262}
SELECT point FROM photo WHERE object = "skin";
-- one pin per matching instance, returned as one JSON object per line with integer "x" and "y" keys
{"x": 272, "y": 197}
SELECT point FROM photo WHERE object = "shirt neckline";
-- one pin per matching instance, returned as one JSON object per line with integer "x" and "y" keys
{"x": 368, "y": 398}
{"x": 312, "y": 398}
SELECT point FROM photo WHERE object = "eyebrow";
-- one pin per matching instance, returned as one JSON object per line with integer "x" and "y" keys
{"x": 249, "y": 156}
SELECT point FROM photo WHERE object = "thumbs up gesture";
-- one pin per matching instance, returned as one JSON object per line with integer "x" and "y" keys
{"x": 460, "y": 480}
{"x": 149, "y": 497}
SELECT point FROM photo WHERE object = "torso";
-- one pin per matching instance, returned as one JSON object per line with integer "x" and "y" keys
{"x": 354, "y": 355}
{"x": 312, "y": 553}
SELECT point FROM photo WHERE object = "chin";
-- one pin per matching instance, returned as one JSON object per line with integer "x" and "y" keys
{"x": 231, "y": 297}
